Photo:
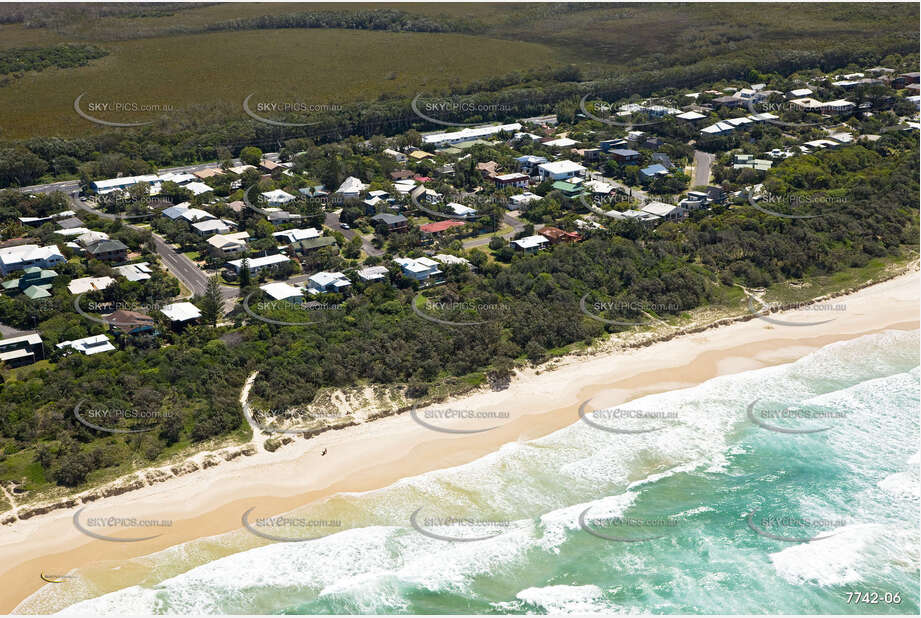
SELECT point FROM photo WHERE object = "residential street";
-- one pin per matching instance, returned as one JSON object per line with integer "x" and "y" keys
{"x": 332, "y": 222}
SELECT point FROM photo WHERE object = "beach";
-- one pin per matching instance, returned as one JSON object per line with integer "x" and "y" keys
{"x": 374, "y": 455}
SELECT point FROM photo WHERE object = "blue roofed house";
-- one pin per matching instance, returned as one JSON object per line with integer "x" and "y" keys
{"x": 653, "y": 171}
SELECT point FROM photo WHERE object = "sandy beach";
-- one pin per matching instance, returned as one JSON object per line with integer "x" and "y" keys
{"x": 376, "y": 454}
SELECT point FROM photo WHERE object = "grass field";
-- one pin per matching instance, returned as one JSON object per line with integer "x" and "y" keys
{"x": 310, "y": 66}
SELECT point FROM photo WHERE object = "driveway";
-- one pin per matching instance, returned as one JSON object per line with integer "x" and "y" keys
{"x": 332, "y": 222}
{"x": 702, "y": 163}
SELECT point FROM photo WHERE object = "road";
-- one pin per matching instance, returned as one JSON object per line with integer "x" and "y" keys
{"x": 180, "y": 266}
{"x": 332, "y": 222}
{"x": 702, "y": 163}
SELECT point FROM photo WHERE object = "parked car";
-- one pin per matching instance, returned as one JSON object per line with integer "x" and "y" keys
{"x": 344, "y": 226}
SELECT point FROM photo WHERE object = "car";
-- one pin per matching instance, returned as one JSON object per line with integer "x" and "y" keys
{"x": 344, "y": 226}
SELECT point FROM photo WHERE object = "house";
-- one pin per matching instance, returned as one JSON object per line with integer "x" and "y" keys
{"x": 311, "y": 244}
{"x": 520, "y": 201}
{"x": 350, "y": 189}
{"x": 209, "y": 172}
{"x": 181, "y": 312}
{"x": 198, "y": 188}
{"x": 653, "y": 171}
{"x": 559, "y": 170}
{"x": 284, "y": 292}
{"x": 88, "y": 238}
{"x": 239, "y": 170}
{"x": 419, "y": 269}
{"x": 691, "y": 116}
{"x": 108, "y": 250}
{"x": 741, "y": 161}
{"x": 489, "y": 169}
{"x": 431, "y": 230}
{"x": 512, "y": 180}
{"x": 560, "y": 142}
{"x": 24, "y": 256}
{"x": 716, "y": 195}
{"x": 395, "y": 154}
{"x": 447, "y": 259}
{"x": 327, "y": 282}
{"x": 184, "y": 212}
{"x": 402, "y": 174}
{"x": 134, "y": 272}
{"x": 372, "y": 274}
{"x": 664, "y": 159}
{"x": 527, "y": 163}
{"x": 124, "y": 322}
{"x": 669, "y": 212}
{"x": 555, "y": 235}
{"x": 607, "y": 145}
{"x": 428, "y": 195}
{"x": 469, "y": 134}
{"x": 228, "y": 244}
{"x": 419, "y": 155}
{"x": 72, "y": 231}
{"x": 276, "y": 198}
{"x": 277, "y": 216}
{"x": 530, "y": 244}
{"x": 404, "y": 187}
{"x": 459, "y": 210}
{"x": 269, "y": 166}
{"x": 211, "y": 226}
{"x": 635, "y": 215}
{"x": 35, "y": 283}
{"x": 69, "y": 222}
{"x": 89, "y": 284}
{"x": 236, "y": 206}
{"x": 23, "y": 350}
{"x": 258, "y": 264}
{"x": 392, "y": 222}
{"x": 728, "y": 101}
{"x": 295, "y": 235}
{"x": 568, "y": 189}
{"x": 720, "y": 128}
{"x": 624, "y": 155}
{"x": 88, "y": 345}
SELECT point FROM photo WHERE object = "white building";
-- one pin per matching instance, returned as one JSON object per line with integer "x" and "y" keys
{"x": 419, "y": 269}
{"x": 24, "y": 256}
{"x": 462, "y": 211}
{"x": 258, "y": 263}
{"x": 295, "y": 235}
{"x": 469, "y": 134}
{"x": 89, "y": 345}
{"x": 276, "y": 198}
{"x": 229, "y": 244}
{"x": 530, "y": 244}
{"x": 283, "y": 291}
{"x": 89, "y": 284}
{"x": 559, "y": 170}
{"x": 181, "y": 312}
{"x": 522, "y": 200}
{"x": 327, "y": 282}
{"x": 373, "y": 273}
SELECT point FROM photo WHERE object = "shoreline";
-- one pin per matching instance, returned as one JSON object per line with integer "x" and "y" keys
{"x": 369, "y": 456}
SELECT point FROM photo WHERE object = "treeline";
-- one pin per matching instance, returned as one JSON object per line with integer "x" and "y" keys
{"x": 18, "y": 60}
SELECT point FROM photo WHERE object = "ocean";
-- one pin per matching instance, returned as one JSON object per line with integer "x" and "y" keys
{"x": 781, "y": 490}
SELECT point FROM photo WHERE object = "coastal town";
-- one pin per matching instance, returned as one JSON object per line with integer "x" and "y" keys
{"x": 423, "y": 206}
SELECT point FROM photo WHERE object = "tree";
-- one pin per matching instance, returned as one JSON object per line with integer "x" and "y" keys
{"x": 212, "y": 303}
{"x": 245, "y": 279}
{"x": 251, "y": 155}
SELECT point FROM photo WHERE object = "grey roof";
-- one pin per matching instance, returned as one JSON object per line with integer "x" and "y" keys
{"x": 389, "y": 219}
{"x": 105, "y": 246}
{"x": 70, "y": 222}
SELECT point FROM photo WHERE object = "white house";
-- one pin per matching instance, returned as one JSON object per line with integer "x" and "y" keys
{"x": 211, "y": 226}
{"x": 419, "y": 269}
{"x": 283, "y": 291}
{"x": 181, "y": 312}
{"x": 462, "y": 211}
{"x": 276, "y": 198}
{"x": 669, "y": 212}
{"x": 229, "y": 244}
{"x": 323, "y": 282}
{"x": 258, "y": 263}
{"x": 295, "y": 235}
{"x": 469, "y": 134}
{"x": 446, "y": 258}
{"x": 89, "y": 345}
{"x": 134, "y": 272}
{"x": 395, "y": 154}
{"x": 350, "y": 189}
{"x": 373, "y": 273}
{"x": 559, "y": 170}
{"x": 530, "y": 244}
{"x": 522, "y": 200}
{"x": 197, "y": 188}
{"x": 89, "y": 284}
{"x": 24, "y": 256}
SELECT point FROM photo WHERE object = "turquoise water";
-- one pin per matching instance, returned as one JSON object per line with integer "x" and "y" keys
{"x": 691, "y": 484}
